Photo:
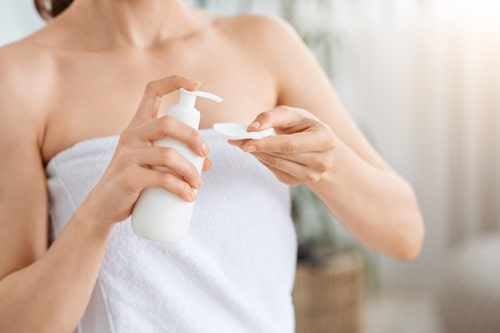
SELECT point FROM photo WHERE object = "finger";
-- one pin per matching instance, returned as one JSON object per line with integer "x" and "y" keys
{"x": 170, "y": 127}
{"x": 321, "y": 162}
{"x": 296, "y": 170}
{"x": 237, "y": 142}
{"x": 282, "y": 118}
{"x": 151, "y": 178}
{"x": 286, "y": 144}
{"x": 176, "y": 163}
{"x": 155, "y": 90}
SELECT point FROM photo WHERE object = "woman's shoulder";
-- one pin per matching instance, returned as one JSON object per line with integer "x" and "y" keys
{"x": 25, "y": 84}
{"x": 267, "y": 38}
{"x": 257, "y": 28}
{"x": 24, "y": 63}
{"x": 25, "y": 54}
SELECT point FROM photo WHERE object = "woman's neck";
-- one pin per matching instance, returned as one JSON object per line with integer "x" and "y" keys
{"x": 140, "y": 24}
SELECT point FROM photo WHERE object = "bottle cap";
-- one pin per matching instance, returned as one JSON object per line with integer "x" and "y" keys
{"x": 187, "y": 98}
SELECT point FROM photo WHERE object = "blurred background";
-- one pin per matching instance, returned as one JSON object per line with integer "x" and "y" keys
{"x": 421, "y": 78}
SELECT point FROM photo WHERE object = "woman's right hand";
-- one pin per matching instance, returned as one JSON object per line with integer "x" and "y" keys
{"x": 136, "y": 162}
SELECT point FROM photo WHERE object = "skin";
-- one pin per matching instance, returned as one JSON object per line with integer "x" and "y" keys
{"x": 100, "y": 69}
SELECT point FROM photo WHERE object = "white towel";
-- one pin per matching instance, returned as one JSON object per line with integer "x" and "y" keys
{"x": 234, "y": 273}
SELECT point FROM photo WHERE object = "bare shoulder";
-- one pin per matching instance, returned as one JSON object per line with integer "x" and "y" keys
{"x": 258, "y": 33}
{"x": 249, "y": 24}
{"x": 24, "y": 64}
{"x": 24, "y": 85}
{"x": 280, "y": 50}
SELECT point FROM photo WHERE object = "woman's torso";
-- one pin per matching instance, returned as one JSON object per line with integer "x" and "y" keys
{"x": 238, "y": 266}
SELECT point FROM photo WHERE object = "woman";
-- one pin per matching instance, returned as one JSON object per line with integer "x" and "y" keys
{"x": 76, "y": 147}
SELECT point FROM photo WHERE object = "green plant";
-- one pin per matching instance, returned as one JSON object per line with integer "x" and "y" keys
{"x": 321, "y": 236}
{"x": 314, "y": 224}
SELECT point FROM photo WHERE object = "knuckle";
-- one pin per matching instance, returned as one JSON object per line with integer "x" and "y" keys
{"x": 312, "y": 177}
{"x": 177, "y": 80}
{"x": 165, "y": 180}
{"x": 166, "y": 124}
{"x": 194, "y": 135}
{"x": 193, "y": 172}
{"x": 283, "y": 179}
{"x": 319, "y": 127}
{"x": 185, "y": 189}
{"x": 194, "y": 139}
{"x": 189, "y": 174}
{"x": 281, "y": 176}
{"x": 321, "y": 132}
{"x": 150, "y": 87}
{"x": 166, "y": 155}
{"x": 284, "y": 108}
{"x": 290, "y": 181}
{"x": 272, "y": 162}
{"x": 290, "y": 147}
{"x": 173, "y": 184}
{"x": 326, "y": 136}
{"x": 323, "y": 164}
{"x": 176, "y": 77}
{"x": 266, "y": 116}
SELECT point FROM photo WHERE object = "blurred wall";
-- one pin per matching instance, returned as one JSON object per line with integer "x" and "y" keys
{"x": 428, "y": 89}
{"x": 17, "y": 19}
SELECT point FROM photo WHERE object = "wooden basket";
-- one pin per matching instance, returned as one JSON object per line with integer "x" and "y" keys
{"x": 328, "y": 297}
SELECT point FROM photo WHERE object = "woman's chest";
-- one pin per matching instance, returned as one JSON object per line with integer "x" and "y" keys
{"x": 97, "y": 98}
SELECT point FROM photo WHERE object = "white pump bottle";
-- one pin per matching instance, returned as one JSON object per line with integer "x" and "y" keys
{"x": 158, "y": 214}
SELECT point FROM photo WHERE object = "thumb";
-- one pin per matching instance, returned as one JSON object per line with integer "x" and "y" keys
{"x": 280, "y": 117}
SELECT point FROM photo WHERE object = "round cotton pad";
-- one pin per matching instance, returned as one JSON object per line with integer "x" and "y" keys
{"x": 236, "y": 131}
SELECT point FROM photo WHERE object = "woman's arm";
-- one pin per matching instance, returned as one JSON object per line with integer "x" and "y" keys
{"x": 40, "y": 290}
{"x": 47, "y": 290}
{"x": 321, "y": 146}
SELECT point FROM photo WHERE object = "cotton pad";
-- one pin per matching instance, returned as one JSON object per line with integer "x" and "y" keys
{"x": 237, "y": 131}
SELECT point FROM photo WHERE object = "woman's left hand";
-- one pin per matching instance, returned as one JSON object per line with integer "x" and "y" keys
{"x": 302, "y": 150}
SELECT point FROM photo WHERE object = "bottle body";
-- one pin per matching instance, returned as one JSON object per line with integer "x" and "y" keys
{"x": 158, "y": 214}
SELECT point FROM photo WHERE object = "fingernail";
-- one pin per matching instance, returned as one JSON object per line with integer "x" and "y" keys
{"x": 255, "y": 124}
{"x": 199, "y": 183}
{"x": 192, "y": 195}
{"x": 250, "y": 149}
{"x": 204, "y": 149}
{"x": 234, "y": 142}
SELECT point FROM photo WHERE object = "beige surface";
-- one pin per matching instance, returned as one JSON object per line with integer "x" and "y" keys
{"x": 401, "y": 312}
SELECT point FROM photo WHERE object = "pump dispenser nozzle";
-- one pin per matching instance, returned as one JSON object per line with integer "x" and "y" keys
{"x": 187, "y": 98}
